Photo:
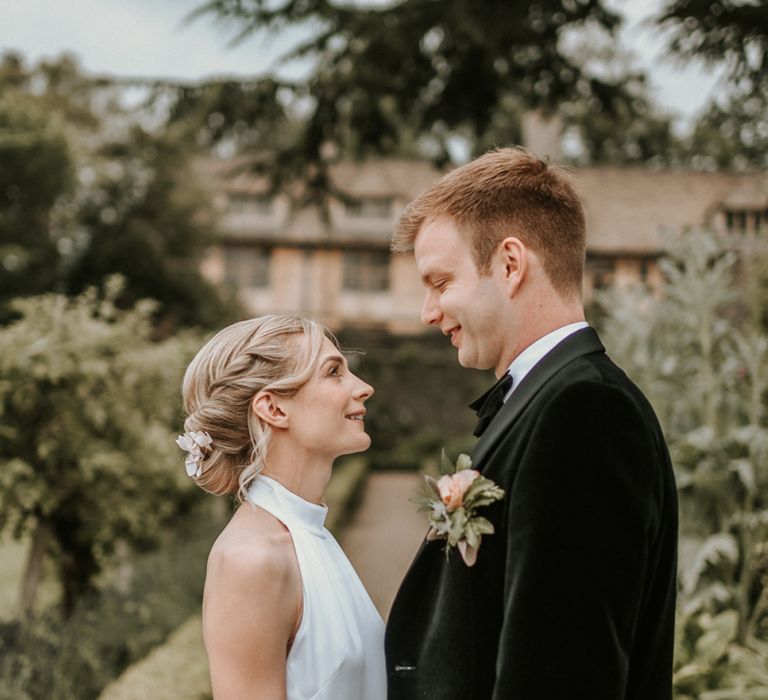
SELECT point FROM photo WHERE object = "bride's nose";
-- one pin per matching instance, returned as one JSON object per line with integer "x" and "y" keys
{"x": 363, "y": 391}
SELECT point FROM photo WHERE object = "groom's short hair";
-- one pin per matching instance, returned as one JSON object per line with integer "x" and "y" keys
{"x": 507, "y": 192}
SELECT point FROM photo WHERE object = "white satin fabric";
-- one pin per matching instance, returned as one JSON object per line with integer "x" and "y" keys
{"x": 338, "y": 650}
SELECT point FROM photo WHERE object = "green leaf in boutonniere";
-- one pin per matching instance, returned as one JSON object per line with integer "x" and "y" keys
{"x": 458, "y": 526}
{"x": 481, "y": 493}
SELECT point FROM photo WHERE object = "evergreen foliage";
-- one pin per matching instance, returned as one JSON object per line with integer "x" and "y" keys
{"x": 721, "y": 32}
{"x": 416, "y": 78}
{"x": 732, "y": 37}
{"x": 732, "y": 134}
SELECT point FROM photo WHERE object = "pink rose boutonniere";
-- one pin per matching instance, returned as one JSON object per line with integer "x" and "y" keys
{"x": 451, "y": 504}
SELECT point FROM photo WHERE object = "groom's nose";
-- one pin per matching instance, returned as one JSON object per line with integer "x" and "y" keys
{"x": 430, "y": 310}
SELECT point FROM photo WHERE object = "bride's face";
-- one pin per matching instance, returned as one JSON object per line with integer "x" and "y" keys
{"x": 327, "y": 414}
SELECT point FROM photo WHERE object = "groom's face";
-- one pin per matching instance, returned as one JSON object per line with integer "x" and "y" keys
{"x": 463, "y": 303}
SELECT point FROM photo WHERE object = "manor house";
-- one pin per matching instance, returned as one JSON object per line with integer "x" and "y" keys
{"x": 334, "y": 263}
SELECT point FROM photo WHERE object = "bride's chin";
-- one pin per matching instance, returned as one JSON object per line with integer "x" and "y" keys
{"x": 358, "y": 446}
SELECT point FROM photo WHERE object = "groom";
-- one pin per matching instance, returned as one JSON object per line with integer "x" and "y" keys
{"x": 573, "y": 596}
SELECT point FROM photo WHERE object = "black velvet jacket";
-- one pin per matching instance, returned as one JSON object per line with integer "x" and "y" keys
{"x": 573, "y": 596}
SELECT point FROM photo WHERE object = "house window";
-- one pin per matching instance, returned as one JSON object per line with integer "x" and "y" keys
{"x": 247, "y": 267}
{"x": 746, "y": 220}
{"x": 241, "y": 203}
{"x": 366, "y": 271}
{"x": 370, "y": 208}
{"x": 602, "y": 271}
{"x": 645, "y": 266}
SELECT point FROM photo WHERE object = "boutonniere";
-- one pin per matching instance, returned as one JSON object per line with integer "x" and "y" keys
{"x": 452, "y": 502}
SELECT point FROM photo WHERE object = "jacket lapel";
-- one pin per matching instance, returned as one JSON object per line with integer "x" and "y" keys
{"x": 582, "y": 342}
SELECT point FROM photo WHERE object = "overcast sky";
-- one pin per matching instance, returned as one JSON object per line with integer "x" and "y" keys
{"x": 149, "y": 38}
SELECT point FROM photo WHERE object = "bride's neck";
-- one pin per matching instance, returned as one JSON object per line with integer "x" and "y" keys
{"x": 303, "y": 472}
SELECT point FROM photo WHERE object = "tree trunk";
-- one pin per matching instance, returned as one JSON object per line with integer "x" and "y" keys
{"x": 77, "y": 564}
{"x": 34, "y": 568}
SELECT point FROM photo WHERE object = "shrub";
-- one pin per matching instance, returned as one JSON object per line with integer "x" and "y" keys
{"x": 88, "y": 403}
{"x": 700, "y": 354}
{"x": 55, "y": 658}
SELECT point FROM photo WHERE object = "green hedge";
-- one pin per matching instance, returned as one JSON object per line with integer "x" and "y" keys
{"x": 178, "y": 670}
{"x": 421, "y": 398}
{"x": 48, "y": 657}
{"x": 344, "y": 491}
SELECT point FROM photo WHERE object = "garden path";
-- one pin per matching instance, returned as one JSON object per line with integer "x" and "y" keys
{"x": 384, "y": 534}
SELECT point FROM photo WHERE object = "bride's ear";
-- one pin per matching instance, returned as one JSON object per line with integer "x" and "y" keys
{"x": 267, "y": 407}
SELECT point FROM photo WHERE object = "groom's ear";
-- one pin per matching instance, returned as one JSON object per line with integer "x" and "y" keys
{"x": 514, "y": 259}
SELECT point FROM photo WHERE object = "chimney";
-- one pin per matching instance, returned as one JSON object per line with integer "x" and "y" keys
{"x": 542, "y": 132}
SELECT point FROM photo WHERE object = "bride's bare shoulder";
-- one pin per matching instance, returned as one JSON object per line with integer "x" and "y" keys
{"x": 251, "y": 604}
{"x": 253, "y": 546}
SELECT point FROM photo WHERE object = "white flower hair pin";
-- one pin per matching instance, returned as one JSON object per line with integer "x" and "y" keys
{"x": 194, "y": 443}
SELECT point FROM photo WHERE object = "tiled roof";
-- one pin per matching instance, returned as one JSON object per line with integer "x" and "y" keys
{"x": 386, "y": 177}
{"x": 626, "y": 208}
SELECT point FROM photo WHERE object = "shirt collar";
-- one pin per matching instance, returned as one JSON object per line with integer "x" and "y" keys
{"x": 529, "y": 357}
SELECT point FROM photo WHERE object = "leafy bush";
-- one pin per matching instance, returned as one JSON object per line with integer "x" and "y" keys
{"x": 88, "y": 403}
{"x": 55, "y": 658}
{"x": 700, "y": 354}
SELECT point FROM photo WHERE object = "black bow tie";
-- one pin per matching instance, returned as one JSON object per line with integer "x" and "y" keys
{"x": 488, "y": 405}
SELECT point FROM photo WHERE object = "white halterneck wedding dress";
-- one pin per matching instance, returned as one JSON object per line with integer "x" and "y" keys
{"x": 338, "y": 650}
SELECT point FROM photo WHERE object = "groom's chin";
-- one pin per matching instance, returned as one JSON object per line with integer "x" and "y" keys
{"x": 467, "y": 361}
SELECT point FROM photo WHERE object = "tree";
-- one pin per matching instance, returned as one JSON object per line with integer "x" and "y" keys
{"x": 91, "y": 190}
{"x": 418, "y": 76}
{"x": 635, "y": 132}
{"x": 702, "y": 357}
{"x": 721, "y": 32}
{"x": 36, "y": 173}
{"x": 146, "y": 217}
{"x": 733, "y": 131}
{"x": 450, "y": 62}
{"x": 731, "y": 134}
{"x": 87, "y": 457}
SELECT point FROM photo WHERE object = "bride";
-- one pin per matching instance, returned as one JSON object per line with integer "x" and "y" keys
{"x": 270, "y": 403}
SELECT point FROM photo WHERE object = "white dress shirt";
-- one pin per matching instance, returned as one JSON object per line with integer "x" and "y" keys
{"x": 529, "y": 357}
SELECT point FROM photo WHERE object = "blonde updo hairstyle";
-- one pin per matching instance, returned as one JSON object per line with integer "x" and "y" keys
{"x": 275, "y": 352}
